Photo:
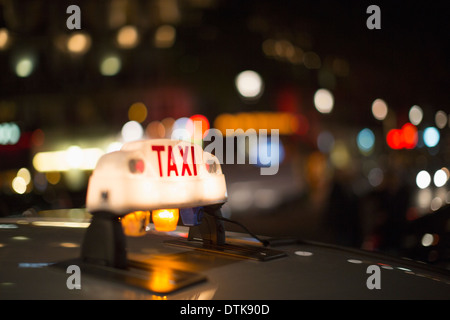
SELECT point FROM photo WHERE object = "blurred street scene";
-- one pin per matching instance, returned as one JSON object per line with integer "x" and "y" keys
{"x": 363, "y": 115}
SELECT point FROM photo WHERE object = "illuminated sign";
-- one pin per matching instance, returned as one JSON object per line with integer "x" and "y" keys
{"x": 72, "y": 158}
{"x": 287, "y": 123}
{"x": 155, "y": 174}
{"x": 172, "y": 167}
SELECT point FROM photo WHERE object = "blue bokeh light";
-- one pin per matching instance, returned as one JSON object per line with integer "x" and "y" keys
{"x": 431, "y": 137}
{"x": 365, "y": 140}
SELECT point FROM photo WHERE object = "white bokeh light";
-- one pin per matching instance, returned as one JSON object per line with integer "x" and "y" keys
{"x": 249, "y": 84}
{"x": 415, "y": 115}
{"x": 74, "y": 157}
{"x": 441, "y": 119}
{"x": 423, "y": 179}
{"x": 24, "y": 67}
{"x": 440, "y": 178}
{"x": 379, "y": 109}
{"x": 132, "y": 131}
{"x": 19, "y": 185}
{"x": 323, "y": 101}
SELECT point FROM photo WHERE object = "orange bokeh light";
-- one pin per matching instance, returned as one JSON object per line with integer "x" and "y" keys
{"x": 165, "y": 219}
{"x": 134, "y": 224}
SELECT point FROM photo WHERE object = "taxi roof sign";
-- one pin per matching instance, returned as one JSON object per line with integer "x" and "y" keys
{"x": 155, "y": 174}
{"x": 169, "y": 177}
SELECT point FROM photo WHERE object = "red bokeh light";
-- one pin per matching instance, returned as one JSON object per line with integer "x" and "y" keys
{"x": 204, "y": 124}
{"x": 404, "y": 138}
{"x": 410, "y": 137}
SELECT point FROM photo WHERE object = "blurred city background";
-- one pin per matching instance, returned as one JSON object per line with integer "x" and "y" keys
{"x": 363, "y": 115}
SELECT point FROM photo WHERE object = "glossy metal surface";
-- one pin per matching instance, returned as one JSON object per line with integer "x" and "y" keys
{"x": 30, "y": 248}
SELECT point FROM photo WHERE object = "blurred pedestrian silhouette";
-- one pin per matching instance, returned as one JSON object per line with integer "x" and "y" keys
{"x": 341, "y": 216}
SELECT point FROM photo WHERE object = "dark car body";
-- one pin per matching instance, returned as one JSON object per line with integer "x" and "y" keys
{"x": 35, "y": 254}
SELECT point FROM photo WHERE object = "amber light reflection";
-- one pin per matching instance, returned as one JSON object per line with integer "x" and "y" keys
{"x": 162, "y": 280}
{"x": 165, "y": 219}
{"x": 134, "y": 224}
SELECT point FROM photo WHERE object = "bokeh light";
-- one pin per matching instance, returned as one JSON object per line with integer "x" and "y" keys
{"x": 323, "y": 101}
{"x": 365, "y": 140}
{"x": 198, "y": 126}
{"x": 38, "y": 137}
{"x": 137, "y": 112}
{"x": 410, "y": 136}
{"x": 415, "y": 115}
{"x": 24, "y": 67}
{"x": 165, "y": 36}
{"x": 431, "y": 137}
{"x": 375, "y": 177}
{"x": 436, "y": 203}
{"x": 394, "y": 139}
{"x": 424, "y": 197}
{"x": 379, "y": 109}
{"x": 79, "y": 43}
{"x": 179, "y": 129}
{"x": 441, "y": 119}
{"x": 110, "y": 66}
{"x": 249, "y": 84}
{"x": 423, "y": 179}
{"x": 155, "y": 130}
{"x": 427, "y": 239}
{"x": 19, "y": 185}
{"x": 4, "y": 38}
{"x": 325, "y": 141}
{"x": 340, "y": 155}
{"x": 74, "y": 156}
{"x": 25, "y": 174}
{"x": 127, "y": 37}
{"x": 405, "y": 138}
{"x": 9, "y": 133}
{"x": 261, "y": 153}
{"x": 132, "y": 131}
{"x": 53, "y": 177}
{"x": 440, "y": 178}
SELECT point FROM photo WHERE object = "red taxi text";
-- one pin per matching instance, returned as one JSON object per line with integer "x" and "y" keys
{"x": 186, "y": 168}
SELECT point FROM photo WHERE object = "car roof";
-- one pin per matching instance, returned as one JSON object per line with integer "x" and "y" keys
{"x": 35, "y": 254}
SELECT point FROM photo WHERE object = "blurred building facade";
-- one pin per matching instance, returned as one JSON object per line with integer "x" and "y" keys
{"x": 366, "y": 112}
